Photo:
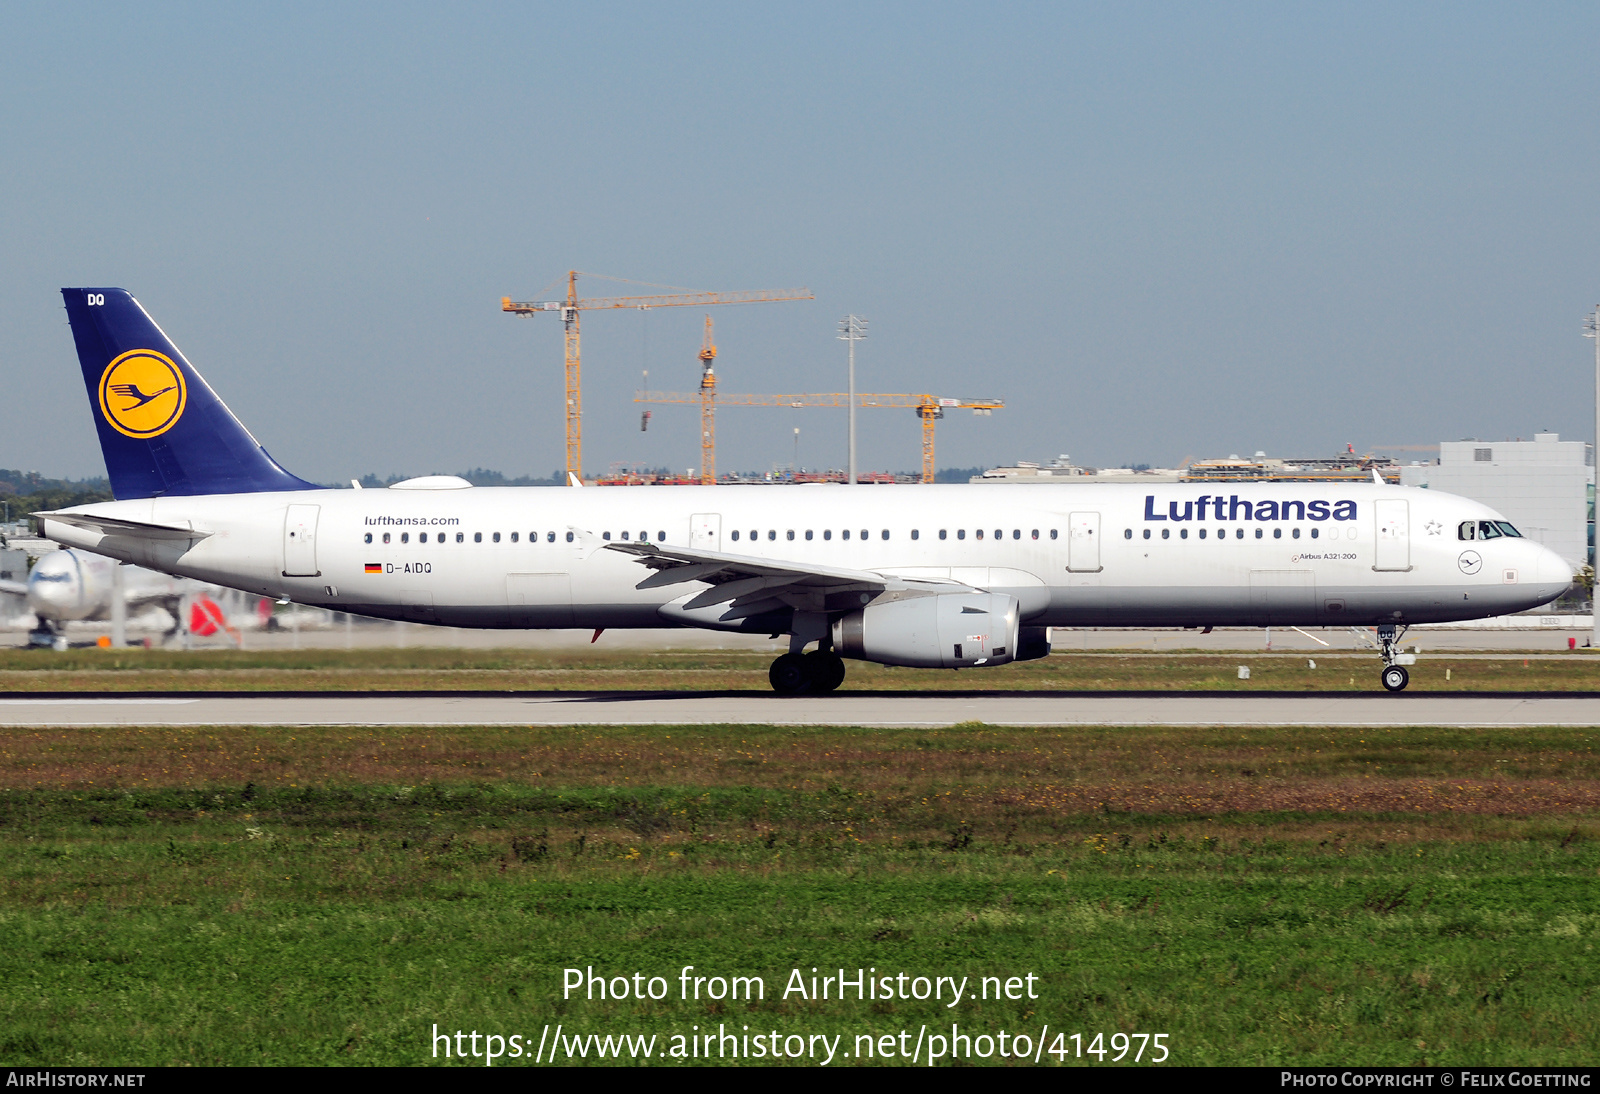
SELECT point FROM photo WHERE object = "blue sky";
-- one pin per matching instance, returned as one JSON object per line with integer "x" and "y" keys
{"x": 1156, "y": 231}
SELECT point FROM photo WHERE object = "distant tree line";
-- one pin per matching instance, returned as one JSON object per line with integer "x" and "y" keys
{"x": 478, "y": 476}
{"x": 957, "y": 474}
{"x": 24, "y": 492}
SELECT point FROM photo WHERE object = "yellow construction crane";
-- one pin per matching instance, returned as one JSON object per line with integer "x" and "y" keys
{"x": 570, "y": 308}
{"x": 929, "y": 409}
{"x": 708, "y": 409}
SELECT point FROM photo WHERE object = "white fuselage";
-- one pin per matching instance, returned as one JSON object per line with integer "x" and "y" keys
{"x": 74, "y": 584}
{"x": 1088, "y": 555}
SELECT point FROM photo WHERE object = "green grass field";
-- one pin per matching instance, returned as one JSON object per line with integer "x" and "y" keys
{"x": 596, "y": 669}
{"x": 323, "y": 896}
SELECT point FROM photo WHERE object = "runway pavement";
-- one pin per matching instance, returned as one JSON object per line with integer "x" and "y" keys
{"x": 882, "y": 709}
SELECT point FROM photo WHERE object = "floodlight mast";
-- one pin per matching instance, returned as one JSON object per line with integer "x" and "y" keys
{"x": 1591, "y": 329}
{"x": 852, "y": 329}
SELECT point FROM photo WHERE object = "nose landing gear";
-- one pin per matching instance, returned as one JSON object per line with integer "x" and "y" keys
{"x": 1394, "y": 675}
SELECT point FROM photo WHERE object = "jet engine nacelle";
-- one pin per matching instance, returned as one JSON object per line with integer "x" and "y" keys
{"x": 945, "y": 631}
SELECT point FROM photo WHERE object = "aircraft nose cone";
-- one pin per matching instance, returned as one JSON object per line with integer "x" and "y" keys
{"x": 1553, "y": 570}
{"x": 53, "y": 586}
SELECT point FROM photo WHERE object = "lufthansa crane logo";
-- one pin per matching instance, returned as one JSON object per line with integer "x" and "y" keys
{"x": 142, "y": 393}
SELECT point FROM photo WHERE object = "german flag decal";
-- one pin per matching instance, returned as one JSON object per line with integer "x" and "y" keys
{"x": 374, "y": 567}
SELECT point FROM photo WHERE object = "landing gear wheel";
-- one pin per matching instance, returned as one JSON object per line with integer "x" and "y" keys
{"x": 826, "y": 670}
{"x": 788, "y": 674}
{"x": 1395, "y": 678}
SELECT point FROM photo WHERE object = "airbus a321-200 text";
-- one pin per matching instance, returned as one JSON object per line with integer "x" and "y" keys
{"x": 951, "y": 577}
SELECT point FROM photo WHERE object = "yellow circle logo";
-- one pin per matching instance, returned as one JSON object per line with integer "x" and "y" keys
{"x": 142, "y": 393}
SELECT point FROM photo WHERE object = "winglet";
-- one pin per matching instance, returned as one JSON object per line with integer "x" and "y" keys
{"x": 573, "y": 480}
{"x": 1377, "y": 478}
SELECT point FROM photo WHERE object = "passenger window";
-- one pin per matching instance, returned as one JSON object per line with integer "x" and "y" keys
{"x": 1239, "y": 534}
{"x": 606, "y": 536}
{"x": 1036, "y": 533}
{"x": 914, "y": 534}
{"x": 1487, "y": 530}
{"x": 461, "y": 537}
{"x": 477, "y": 537}
{"x": 1183, "y": 533}
{"x": 1147, "y": 533}
{"x": 1258, "y": 532}
{"x": 368, "y": 539}
{"x": 661, "y": 537}
{"x": 772, "y": 533}
{"x": 886, "y": 533}
{"x": 496, "y": 537}
{"x": 961, "y": 533}
{"x": 550, "y": 537}
{"x": 422, "y": 537}
{"x": 789, "y": 534}
{"x": 1277, "y": 533}
{"x": 999, "y": 533}
{"x": 1127, "y": 533}
{"x": 978, "y": 533}
{"x": 1314, "y": 532}
{"x": 386, "y": 537}
{"x": 1468, "y": 530}
{"x": 942, "y": 535}
{"x": 1202, "y": 533}
{"x": 1166, "y": 533}
{"x": 736, "y": 535}
{"x": 1296, "y": 533}
{"x": 808, "y": 533}
{"x": 865, "y": 534}
{"x": 754, "y": 535}
{"x": 1053, "y": 533}
{"x": 827, "y": 533}
{"x": 405, "y": 537}
{"x": 1016, "y": 533}
{"x": 513, "y": 537}
{"x": 844, "y": 534}
{"x": 571, "y": 536}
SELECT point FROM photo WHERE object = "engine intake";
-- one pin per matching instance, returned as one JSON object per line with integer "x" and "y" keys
{"x": 946, "y": 631}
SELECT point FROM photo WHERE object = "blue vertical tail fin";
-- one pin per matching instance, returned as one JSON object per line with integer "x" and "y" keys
{"x": 162, "y": 429}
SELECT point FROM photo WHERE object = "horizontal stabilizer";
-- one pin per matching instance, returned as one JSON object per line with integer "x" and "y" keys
{"x": 111, "y": 526}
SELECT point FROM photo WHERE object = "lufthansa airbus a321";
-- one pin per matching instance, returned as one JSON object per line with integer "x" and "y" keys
{"x": 951, "y": 577}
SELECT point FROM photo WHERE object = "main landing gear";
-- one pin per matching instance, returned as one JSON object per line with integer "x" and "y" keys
{"x": 1394, "y": 675}
{"x": 796, "y": 673}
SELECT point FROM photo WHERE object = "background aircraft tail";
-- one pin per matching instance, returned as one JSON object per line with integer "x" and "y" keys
{"x": 162, "y": 429}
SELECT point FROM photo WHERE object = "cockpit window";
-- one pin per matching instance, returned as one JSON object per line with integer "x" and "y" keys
{"x": 1488, "y": 530}
{"x": 1505, "y": 526}
{"x": 1468, "y": 530}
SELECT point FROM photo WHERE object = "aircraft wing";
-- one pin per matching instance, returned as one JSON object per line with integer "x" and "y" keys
{"x": 754, "y": 585}
{"x": 112, "y": 526}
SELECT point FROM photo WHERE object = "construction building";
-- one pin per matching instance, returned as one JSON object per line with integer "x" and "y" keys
{"x": 1544, "y": 486}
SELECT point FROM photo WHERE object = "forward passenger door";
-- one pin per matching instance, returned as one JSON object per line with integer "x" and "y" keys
{"x": 1394, "y": 535}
